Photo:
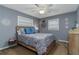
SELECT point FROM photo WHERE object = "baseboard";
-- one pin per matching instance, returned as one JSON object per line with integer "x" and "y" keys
{"x": 7, "y": 47}
{"x": 63, "y": 41}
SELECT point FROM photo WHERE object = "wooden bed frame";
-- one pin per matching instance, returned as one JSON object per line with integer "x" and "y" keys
{"x": 52, "y": 46}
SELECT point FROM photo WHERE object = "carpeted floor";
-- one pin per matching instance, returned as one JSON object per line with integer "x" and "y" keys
{"x": 20, "y": 50}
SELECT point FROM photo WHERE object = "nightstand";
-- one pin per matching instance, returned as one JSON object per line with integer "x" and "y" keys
{"x": 12, "y": 41}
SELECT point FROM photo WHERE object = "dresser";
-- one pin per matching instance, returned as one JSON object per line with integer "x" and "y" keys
{"x": 73, "y": 45}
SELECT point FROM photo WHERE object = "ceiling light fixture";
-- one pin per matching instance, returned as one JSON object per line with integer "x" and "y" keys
{"x": 41, "y": 11}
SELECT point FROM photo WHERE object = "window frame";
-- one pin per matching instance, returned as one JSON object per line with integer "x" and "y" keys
{"x": 55, "y": 25}
{"x": 27, "y": 20}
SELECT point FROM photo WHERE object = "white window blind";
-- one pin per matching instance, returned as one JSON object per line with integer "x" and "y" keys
{"x": 23, "y": 21}
{"x": 53, "y": 24}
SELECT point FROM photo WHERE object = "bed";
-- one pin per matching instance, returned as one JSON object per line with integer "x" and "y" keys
{"x": 41, "y": 43}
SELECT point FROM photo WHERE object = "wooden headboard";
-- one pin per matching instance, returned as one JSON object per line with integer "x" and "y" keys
{"x": 19, "y": 27}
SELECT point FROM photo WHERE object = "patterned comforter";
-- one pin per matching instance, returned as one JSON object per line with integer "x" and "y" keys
{"x": 39, "y": 40}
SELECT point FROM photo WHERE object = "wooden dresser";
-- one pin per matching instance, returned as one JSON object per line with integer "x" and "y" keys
{"x": 73, "y": 45}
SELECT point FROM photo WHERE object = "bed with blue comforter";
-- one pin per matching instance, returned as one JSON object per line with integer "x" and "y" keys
{"x": 40, "y": 41}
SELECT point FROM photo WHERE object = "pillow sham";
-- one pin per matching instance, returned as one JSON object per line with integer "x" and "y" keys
{"x": 29, "y": 30}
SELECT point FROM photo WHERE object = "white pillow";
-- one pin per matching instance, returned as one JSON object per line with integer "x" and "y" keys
{"x": 21, "y": 31}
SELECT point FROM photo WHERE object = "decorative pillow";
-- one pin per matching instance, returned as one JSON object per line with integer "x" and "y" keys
{"x": 33, "y": 29}
{"x": 21, "y": 31}
{"x": 29, "y": 30}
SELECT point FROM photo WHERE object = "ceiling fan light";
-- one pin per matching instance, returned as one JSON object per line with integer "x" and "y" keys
{"x": 41, "y": 11}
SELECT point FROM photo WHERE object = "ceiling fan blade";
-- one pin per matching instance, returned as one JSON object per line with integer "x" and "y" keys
{"x": 36, "y": 5}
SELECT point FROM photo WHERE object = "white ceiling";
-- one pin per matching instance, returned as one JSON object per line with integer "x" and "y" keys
{"x": 50, "y": 9}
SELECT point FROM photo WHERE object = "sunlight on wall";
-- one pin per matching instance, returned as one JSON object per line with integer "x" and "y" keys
{"x": 6, "y": 22}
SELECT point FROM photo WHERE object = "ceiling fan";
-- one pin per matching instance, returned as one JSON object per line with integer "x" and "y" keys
{"x": 47, "y": 8}
{"x": 43, "y": 8}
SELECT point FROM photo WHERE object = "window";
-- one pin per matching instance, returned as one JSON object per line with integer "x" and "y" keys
{"x": 22, "y": 21}
{"x": 53, "y": 24}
